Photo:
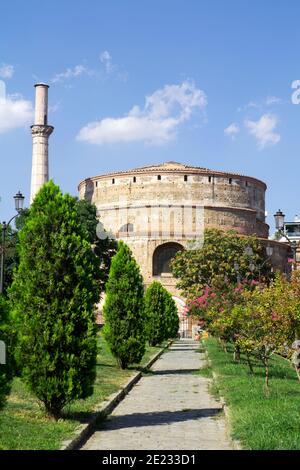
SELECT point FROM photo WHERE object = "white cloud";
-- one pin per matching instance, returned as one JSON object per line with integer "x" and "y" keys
{"x": 111, "y": 68}
{"x": 71, "y": 73}
{"x": 6, "y": 70}
{"x": 263, "y": 130}
{"x": 14, "y": 112}
{"x": 156, "y": 123}
{"x": 232, "y": 130}
{"x": 106, "y": 60}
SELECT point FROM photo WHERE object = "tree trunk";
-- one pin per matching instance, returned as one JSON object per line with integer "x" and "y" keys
{"x": 53, "y": 412}
{"x": 249, "y": 362}
{"x": 237, "y": 354}
{"x": 267, "y": 372}
{"x": 224, "y": 346}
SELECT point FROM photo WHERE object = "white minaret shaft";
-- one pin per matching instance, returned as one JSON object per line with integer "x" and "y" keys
{"x": 40, "y": 134}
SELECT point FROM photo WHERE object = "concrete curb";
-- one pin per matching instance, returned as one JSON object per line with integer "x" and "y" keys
{"x": 106, "y": 407}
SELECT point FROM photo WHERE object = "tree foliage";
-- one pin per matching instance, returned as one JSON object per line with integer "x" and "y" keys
{"x": 259, "y": 320}
{"x": 104, "y": 248}
{"x": 5, "y": 369}
{"x": 52, "y": 299}
{"x": 216, "y": 260}
{"x": 10, "y": 249}
{"x": 172, "y": 318}
{"x": 161, "y": 314}
{"x": 11, "y": 257}
{"x": 124, "y": 309}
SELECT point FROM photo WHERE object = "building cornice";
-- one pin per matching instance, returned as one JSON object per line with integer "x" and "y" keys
{"x": 173, "y": 168}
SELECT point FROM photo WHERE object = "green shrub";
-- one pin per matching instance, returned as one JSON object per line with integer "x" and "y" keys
{"x": 124, "y": 309}
{"x": 161, "y": 314}
{"x": 171, "y": 316}
{"x": 53, "y": 296}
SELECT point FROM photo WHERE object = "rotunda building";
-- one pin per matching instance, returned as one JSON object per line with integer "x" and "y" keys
{"x": 160, "y": 209}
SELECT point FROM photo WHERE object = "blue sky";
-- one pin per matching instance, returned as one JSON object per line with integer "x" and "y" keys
{"x": 206, "y": 83}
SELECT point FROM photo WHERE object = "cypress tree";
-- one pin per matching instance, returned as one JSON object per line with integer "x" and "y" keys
{"x": 171, "y": 316}
{"x": 155, "y": 311}
{"x": 124, "y": 309}
{"x": 53, "y": 296}
{"x": 161, "y": 314}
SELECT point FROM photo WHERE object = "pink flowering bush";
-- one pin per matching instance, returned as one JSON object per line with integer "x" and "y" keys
{"x": 258, "y": 320}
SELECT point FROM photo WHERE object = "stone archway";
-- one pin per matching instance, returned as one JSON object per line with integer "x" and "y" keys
{"x": 162, "y": 257}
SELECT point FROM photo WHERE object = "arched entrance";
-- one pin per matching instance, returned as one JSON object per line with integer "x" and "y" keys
{"x": 162, "y": 256}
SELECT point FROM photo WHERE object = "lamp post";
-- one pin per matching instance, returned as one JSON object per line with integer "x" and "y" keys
{"x": 279, "y": 224}
{"x": 19, "y": 202}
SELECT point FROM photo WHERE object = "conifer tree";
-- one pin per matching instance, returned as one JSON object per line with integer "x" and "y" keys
{"x": 124, "y": 309}
{"x": 171, "y": 316}
{"x": 156, "y": 321}
{"x": 53, "y": 296}
{"x": 161, "y": 314}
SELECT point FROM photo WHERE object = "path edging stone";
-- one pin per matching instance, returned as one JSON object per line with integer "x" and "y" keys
{"x": 106, "y": 407}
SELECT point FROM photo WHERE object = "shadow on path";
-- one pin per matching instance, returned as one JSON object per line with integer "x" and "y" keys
{"x": 156, "y": 418}
{"x": 174, "y": 371}
{"x": 183, "y": 347}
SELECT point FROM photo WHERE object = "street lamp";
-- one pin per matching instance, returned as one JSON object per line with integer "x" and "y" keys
{"x": 19, "y": 202}
{"x": 279, "y": 220}
{"x": 279, "y": 224}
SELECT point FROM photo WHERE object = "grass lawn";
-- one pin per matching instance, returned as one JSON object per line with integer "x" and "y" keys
{"x": 22, "y": 421}
{"x": 259, "y": 420}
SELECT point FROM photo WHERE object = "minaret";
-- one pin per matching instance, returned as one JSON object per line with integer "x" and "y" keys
{"x": 40, "y": 134}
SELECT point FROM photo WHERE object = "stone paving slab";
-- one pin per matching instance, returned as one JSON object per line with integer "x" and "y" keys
{"x": 168, "y": 409}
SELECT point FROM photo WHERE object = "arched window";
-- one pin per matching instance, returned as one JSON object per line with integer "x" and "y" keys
{"x": 126, "y": 228}
{"x": 162, "y": 257}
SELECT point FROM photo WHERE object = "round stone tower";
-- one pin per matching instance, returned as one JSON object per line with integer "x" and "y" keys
{"x": 158, "y": 209}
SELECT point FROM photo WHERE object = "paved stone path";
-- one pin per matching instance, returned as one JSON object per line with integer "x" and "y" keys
{"x": 169, "y": 409}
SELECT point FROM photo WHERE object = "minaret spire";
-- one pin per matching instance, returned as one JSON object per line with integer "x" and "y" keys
{"x": 40, "y": 134}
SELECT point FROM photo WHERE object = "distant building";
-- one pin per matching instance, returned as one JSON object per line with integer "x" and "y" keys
{"x": 292, "y": 231}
